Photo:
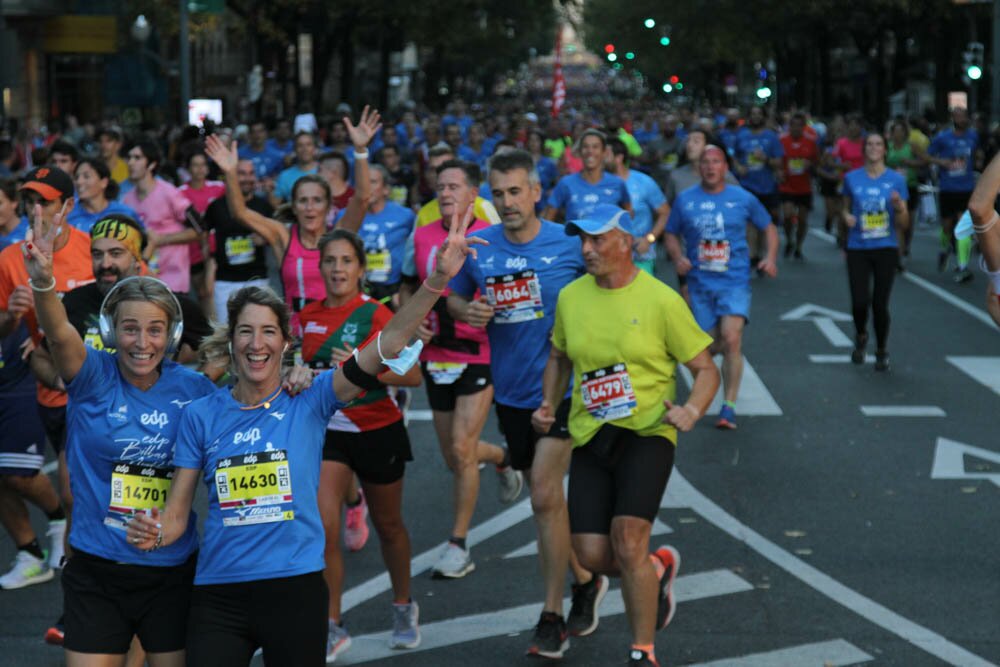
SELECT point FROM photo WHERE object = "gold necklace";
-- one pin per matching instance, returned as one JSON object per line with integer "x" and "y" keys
{"x": 266, "y": 403}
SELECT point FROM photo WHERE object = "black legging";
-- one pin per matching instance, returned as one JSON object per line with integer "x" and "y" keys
{"x": 861, "y": 266}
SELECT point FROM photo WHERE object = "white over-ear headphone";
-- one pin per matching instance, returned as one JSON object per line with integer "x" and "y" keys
{"x": 106, "y": 320}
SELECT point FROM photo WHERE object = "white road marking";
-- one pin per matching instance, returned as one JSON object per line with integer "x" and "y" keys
{"x": 425, "y": 561}
{"x": 809, "y": 311}
{"x": 754, "y": 399}
{"x": 514, "y": 620}
{"x": 832, "y": 332}
{"x": 984, "y": 370}
{"x": 834, "y": 653}
{"x": 837, "y": 358}
{"x": 949, "y": 461}
{"x": 531, "y": 548}
{"x": 902, "y": 411}
{"x": 419, "y": 415}
{"x": 944, "y": 295}
{"x": 921, "y": 637}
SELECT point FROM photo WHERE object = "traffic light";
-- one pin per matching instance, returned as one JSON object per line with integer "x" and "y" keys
{"x": 609, "y": 48}
{"x": 630, "y": 56}
{"x": 667, "y": 88}
{"x": 664, "y": 41}
{"x": 649, "y": 23}
{"x": 674, "y": 79}
{"x": 972, "y": 58}
{"x": 612, "y": 57}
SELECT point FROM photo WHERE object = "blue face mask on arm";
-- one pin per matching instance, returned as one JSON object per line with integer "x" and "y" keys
{"x": 406, "y": 358}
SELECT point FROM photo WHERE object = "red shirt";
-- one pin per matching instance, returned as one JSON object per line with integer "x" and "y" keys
{"x": 800, "y": 155}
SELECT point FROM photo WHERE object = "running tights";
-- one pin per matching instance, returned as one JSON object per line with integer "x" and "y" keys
{"x": 863, "y": 268}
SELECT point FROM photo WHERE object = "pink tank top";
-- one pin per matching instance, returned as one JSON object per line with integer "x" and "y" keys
{"x": 300, "y": 274}
{"x": 453, "y": 341}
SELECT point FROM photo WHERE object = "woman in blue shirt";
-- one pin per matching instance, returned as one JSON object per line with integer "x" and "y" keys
{"x": 259, "y": 579}
{"x": 122, "y": 418}
{"x": 874, "y": 207}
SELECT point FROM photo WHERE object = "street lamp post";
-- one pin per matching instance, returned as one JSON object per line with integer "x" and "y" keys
{"x": 185, "y": 61}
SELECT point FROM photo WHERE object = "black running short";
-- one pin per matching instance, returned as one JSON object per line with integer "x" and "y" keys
{"x": 617, "y": 473}
{"x": 54, "y": 422}
{"x": 515, "y": 425}
{"x": 953, "y": 204}
{"x": 378, "y": 456}
{"x": 286, "y": 617}
{"x": 769, "y": 200}
{"x": 802, "y": 201}
{"x": 474, "y": 379}
{"x": 382, "y": 292}
{"x": 106, "y": 603}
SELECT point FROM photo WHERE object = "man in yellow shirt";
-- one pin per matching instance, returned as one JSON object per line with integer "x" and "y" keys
{"x": 431, "y": 211}
{"x": 619, "y": 334}
{"x": 110, "y": 141}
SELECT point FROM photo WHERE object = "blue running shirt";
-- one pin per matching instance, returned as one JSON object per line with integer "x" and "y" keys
{"x": 577, "y": 198}
{"x": 871, "y": 204}
{"x": 261, "y": 469}
{"x": 960, "y": 150}
{"x": 120, "y": 452}
{"x": 760, "y": 177}
{"x": 522, "y": 281}
{"x": 713, "y": 227}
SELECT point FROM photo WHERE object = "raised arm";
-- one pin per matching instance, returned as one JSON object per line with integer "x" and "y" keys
{"x": 67, "y": 348}
{"x": 361, "y": 136}
{"x": 275, "y": 233}
{"x": 401, "y": 328}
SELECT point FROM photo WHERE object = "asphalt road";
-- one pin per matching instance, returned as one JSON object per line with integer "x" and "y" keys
{"x": 852, "y": 518}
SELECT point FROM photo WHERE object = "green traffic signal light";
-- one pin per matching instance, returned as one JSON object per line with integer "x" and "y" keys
{"x": 649, "y": 23}
{"x": 630, "y": 56}
{"x": 974, "y": 72}
{"x": 665, "y": 41}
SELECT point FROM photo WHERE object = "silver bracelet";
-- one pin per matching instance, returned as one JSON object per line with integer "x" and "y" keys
{"x": 982, "y": 229}
{"x": 42, "y": 289}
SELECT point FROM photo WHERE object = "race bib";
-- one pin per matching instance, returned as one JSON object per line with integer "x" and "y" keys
{"x": 754, "y": 162}
{"x": 136, "y": 488}
{"x": 379, "y": 265}
{"x": 669, "y": 160}
{"x": 607, "y": 393}
{"x": 254, "y": 488}
{"x": 796, "y": 166}
{"x": 713, "y": 255}
{"x": 875, "y": 225}
{"x": 239, "y": 250}
{"x": 515, "y": 297}
{"x": 445, "y": 372}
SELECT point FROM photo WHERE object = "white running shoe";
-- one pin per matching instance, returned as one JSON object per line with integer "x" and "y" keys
{"x": 337, "y": 641}
{"x": 405, "y": 631}
{"x": 27, "y": 570}
{"x": 454, "y": 563}
{"x": 511, "y": 483}
{"x": 57, "y": 541}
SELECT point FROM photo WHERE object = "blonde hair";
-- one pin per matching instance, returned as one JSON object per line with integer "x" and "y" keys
{"x": 147, "y": 290}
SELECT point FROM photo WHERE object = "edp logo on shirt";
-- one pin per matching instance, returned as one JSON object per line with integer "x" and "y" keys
{"x": 154, "y": 418}
{"x": 251, "y": 436}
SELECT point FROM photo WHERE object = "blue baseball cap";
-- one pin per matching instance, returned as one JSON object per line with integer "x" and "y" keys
{"x": 603, "y": 218}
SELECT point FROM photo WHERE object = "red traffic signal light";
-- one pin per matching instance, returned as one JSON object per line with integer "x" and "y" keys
{"x": 674, "y": 79}
{"x": 609, "y": 48}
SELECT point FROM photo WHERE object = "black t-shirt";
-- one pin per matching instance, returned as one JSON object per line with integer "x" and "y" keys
{"x": 83, "y": 306}
{"x": 237, "y": 257}
{"x": 400, "y": 183}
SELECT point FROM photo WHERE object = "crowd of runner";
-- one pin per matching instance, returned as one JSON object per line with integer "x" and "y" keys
{"x": 254, "y": 306}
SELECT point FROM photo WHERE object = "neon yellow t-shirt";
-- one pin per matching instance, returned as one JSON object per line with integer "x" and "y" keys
{"x": 119, "y": 173}
{"x": 625, "y": 345}
{"x": 483, "y": 209}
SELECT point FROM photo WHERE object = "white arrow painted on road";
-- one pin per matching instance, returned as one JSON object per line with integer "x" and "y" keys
{"x": 835, "y": 653}
{"x": 984, "y": 370}
{"x": 754, "y": 399}
{"x": 825, "y": 320}
{"x": 949, "y": 461}
{"x": 531, "y": 548}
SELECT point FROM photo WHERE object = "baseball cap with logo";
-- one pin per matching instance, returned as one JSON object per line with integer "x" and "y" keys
{"x": 603, "y": 218}
{"x": 50, "y": 182}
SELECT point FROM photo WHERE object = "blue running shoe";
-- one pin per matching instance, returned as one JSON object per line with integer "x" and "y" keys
{"x": 727, "y": 418}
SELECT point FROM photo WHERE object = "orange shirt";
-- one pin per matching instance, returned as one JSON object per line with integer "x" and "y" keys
{"x": 72, "y": 269}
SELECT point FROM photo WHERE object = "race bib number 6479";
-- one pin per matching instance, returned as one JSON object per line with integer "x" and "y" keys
{"x": 607, "y": 393}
